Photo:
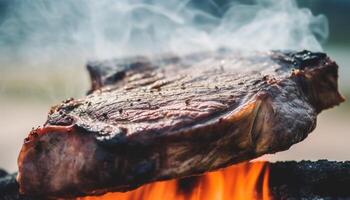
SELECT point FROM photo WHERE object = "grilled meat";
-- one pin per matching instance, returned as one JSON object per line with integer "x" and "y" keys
{"x": 155, "y": 119}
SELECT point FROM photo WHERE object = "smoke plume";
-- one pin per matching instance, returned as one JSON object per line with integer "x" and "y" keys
{"x": 50, "y": 31}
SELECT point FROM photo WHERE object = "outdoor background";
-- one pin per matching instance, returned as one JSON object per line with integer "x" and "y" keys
{"x": 28, "y": 92}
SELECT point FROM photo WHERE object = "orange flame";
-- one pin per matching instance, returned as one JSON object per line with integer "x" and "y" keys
{"x": 242, "y": 181}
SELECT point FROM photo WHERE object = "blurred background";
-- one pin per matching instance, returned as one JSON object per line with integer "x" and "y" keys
{"x": 44, "y": 47}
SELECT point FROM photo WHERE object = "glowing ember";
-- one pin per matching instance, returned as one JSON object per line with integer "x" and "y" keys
{"x": 242, "y": 181}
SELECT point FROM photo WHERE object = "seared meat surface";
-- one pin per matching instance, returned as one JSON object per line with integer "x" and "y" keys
{"x": 155, "y": 119}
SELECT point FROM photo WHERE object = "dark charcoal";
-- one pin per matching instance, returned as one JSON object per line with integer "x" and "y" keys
{"x": 9, "y": 187}
{"x": 310, "y": 180}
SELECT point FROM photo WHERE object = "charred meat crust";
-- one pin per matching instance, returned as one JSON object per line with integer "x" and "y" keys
{"x": 173, "y": 118}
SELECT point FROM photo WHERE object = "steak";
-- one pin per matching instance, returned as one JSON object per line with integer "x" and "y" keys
{"x": 152, "y": 119}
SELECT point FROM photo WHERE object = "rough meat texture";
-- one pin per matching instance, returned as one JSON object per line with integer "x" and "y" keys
{"x": 155, "y": 119}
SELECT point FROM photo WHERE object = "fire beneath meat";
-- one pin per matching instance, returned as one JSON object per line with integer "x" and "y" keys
{"x": 240, "y": 182}
{"x": 148, "y": 120}
{"x": 307, "y": 180}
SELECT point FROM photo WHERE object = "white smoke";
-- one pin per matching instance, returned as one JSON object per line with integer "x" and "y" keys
{"x": 47, "y": 31}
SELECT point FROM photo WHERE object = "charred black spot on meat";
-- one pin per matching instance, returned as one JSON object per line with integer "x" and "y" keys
{"x": 301, "y": 59}
{"x": 307, "y": 59}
